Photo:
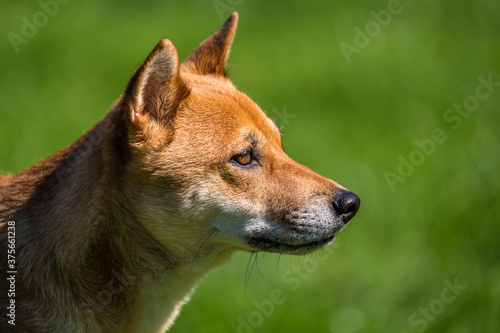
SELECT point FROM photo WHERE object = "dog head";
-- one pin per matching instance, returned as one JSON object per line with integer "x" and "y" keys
{"x": 207, "y": 170}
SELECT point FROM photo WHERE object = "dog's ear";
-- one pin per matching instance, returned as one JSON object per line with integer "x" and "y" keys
{"x": 210, "y": 56}
{"x": 156, "y": 89}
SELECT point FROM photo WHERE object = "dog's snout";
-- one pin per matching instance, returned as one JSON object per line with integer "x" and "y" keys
{"x": 346, "y": 204}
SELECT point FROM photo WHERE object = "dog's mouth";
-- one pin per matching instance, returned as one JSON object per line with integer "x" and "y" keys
{"x": 284, "y": 247}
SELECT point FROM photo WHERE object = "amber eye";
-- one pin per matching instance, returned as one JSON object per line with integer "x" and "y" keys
{"x": 244, "y": 159}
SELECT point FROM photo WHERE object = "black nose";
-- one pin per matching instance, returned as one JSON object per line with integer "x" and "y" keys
{"x": 346, "y": 204}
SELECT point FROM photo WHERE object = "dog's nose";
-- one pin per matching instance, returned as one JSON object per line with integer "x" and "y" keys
{"x": 346, "y": 204}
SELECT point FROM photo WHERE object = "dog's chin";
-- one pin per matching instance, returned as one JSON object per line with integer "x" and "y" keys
{"x": 287, "y": 247}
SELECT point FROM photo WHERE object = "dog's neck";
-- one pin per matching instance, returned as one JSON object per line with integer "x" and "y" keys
{"x": 95, "y": 242}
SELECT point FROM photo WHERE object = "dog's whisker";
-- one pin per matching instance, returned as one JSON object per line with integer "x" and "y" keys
{"x": 204, "y": 239}
{"x": 277, "y": 266}
{"x": 258, "y": 269}
{"x": 213, "y": 232}
{"x": 248, "y": 272}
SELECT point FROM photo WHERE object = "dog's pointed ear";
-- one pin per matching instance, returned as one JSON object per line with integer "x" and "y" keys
{"x": 156, "y": 89}
{"x": 210, "y": 56}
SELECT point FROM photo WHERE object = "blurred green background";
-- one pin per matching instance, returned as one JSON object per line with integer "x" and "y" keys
{"x": 354, "y": 106}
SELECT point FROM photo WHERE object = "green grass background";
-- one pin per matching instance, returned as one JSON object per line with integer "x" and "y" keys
{"x": 349, "y": 121}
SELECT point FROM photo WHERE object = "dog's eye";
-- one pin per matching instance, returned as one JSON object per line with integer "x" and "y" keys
{"x": 244, "y": 159}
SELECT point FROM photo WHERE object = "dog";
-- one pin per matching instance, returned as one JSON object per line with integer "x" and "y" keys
{"x": 113, "y": 233}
